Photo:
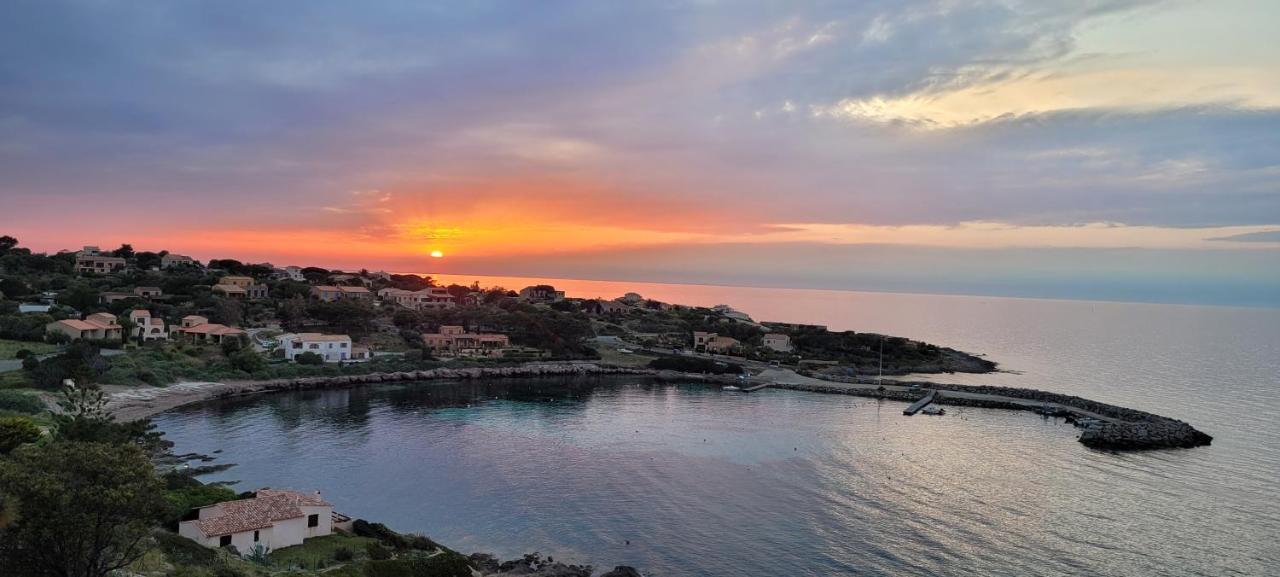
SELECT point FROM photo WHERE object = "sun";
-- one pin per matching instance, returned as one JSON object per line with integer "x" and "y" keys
{"x": 437, "y": 254}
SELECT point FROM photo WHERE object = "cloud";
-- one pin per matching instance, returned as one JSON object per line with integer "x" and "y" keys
{"x": 1265, "y": 236}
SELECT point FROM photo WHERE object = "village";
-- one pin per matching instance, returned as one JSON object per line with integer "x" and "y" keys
{"x": 256, "y": 320}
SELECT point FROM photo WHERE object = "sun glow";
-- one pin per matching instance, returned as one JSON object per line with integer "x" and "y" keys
{"x": 437, "y": 254}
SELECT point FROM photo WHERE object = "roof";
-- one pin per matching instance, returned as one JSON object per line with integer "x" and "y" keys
{"x": 259, "y": 512}
{"x": 321, "y": 337}
{"x": 211, "y": 329}
{"x": 79, "y": 325}
{"x": 228, "y": 288}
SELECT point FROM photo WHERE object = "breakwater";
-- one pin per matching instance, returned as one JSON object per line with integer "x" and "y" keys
{"x": 1120, "y": 429}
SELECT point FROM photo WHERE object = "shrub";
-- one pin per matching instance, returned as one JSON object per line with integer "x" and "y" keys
{"x": 22, "y": 353}
{"x": 694, "y": 365}
{"x": 343, "y": 554}
{"x": 308, "y": 358}
{"x": 20, "y": 403}
{"x": 377, "y": 552}
{"x": 16, "y": 431}
{"x": 443, "y": 565}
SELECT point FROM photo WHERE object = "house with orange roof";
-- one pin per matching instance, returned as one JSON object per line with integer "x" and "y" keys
{"x": 241, "y": 287}
{"x": 455, "y": 341}
{"x": 271, "y": 519}
{"x": 198, "y": 329}
{"x": 428, "y": 298}
{"x": 97, "y": 326}
{"x": 330, "y": 293}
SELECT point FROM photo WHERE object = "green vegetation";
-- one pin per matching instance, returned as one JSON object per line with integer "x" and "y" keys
{"x": 9, "y": 349}
{"x": 695, "y": 365}
{"x": 15, "y": 432}
{"x": 320, "y": 552}
{"x": 18, "y": 402}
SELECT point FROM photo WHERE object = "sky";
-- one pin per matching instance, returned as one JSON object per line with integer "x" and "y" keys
{"x": 1108, "y": 149}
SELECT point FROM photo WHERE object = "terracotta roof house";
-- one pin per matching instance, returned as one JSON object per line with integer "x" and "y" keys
{"x": 272, "y": 519}
{"x": 148, "y": 292}
{"x": 97, "y": 264}
{"x": 241, "y": 287}
{"x": 541, "y": 293}
{"x": 713, "y": 343}
{"x": 330, "y": 293}
{"x": 172, "y": 260}
{"x": 455, "y": 341}
{"x": 428, "y": 298}
{"x": 604, "y": 307}
{"x": 198, "y": 329}
{"x": 96, "y": 326}
{"x": 107, "y": 298}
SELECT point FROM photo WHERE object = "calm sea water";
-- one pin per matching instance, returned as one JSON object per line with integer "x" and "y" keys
{"x": 686, "y": 480}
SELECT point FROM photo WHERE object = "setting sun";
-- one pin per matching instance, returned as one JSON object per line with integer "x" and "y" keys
{"x": 437, "y": 254}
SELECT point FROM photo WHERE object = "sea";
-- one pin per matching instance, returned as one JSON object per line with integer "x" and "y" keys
{"x": 683, "y": 479}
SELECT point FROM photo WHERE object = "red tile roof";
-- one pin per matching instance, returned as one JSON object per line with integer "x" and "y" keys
{"x": 260, "y": 512}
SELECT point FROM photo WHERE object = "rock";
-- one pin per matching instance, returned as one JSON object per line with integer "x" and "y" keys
{"x": 622, "y": 571}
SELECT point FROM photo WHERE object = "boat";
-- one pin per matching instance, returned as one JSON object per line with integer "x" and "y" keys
{"x": 730, "y": 388}
{"x": 933, "y": 410}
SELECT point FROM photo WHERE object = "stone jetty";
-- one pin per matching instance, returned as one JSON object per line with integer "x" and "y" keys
{"x": 1110, "y": 427}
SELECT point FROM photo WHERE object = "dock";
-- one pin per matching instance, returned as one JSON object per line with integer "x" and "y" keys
{"x": 915, "y": 407}
{"x": 755, "y": 388}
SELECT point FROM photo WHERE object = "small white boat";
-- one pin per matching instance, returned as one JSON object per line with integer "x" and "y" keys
{"x": 625, "y": 351}
{"x": 933, "y": 410}
{"x": 730, "y": 388}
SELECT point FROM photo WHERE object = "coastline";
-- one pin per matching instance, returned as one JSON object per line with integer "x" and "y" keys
{"x": 1115, "y": 428}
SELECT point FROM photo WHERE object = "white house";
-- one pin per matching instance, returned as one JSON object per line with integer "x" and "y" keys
{"x": 147, "y": 327}
{"x": 273, "y": 519}
{"x": 334, "y": 348}
{"x": 777, "y": 342}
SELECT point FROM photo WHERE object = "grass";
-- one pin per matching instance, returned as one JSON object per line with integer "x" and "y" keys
{"x": 9, "y": 348}
{"x": 15, "y": 380}
{"x": 611, "y": 356}
{"x": 317, "y": 552}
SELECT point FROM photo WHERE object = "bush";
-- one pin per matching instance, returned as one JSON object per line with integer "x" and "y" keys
{"x": 442, "y": 565}
{"x": 181, "y": 501}
{"x": 22, "y": 353}
{"x": 308, "y": 358}
{"x": 20, "y": 403}
{"x": 377, "y": 552}
{"x": 17, "y": 431}
{"x": 694, "y": 365}
{"x": 343, "y": 554}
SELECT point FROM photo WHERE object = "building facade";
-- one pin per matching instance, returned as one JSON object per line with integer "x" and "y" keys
{"x": 333, "y": 348}
{"x": 271, "y": 519}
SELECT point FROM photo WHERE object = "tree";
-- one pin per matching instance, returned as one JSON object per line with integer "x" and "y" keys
{"x": 247, "y": 360}
{"x": 126, "y": 328}
{"x": 15, "y": 432}
{"x": 7, "y": 243}
{"x": 125, "y": 251}
{"x": 83, "y": 509}
{"x": 227, "y": 311}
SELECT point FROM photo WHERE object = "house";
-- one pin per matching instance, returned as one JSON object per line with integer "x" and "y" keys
{"x": 271, "y": 519}
{"x": 109, "y": 297}
{"x": 604, "y": 307}
{"x": 147, "y": 327}
{"x": 329, "y": 293}
{"x": 713, "y": 343}
{"x": 97, "y": 326}
{"x": 428, "y": 298}
{"x": 630, "y": 298}
{"x": 343, "y": 278}
{"x": 732, "y": 313}
{"x": 241, "y": 287}
{"x": 334, "y": 348}
{"x": 293, "y": 273}
{"x": 98, "y": 264}
{"x": 777, "y": 342}
{"x": 173, "y": 260}
{"x": 541, "y": 293}
{"x": 147, "y": 292}
{"x": 455, "y": 341}
{"x": 198, "y": 329}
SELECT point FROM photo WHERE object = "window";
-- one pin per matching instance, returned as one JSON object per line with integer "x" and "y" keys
{"x": 224, "y": 540}
{"x": 313, "y": 520}
{"x": 255, "y": 536}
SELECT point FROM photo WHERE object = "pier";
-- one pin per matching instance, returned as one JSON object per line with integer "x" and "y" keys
{"x": 915, "y": 407}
